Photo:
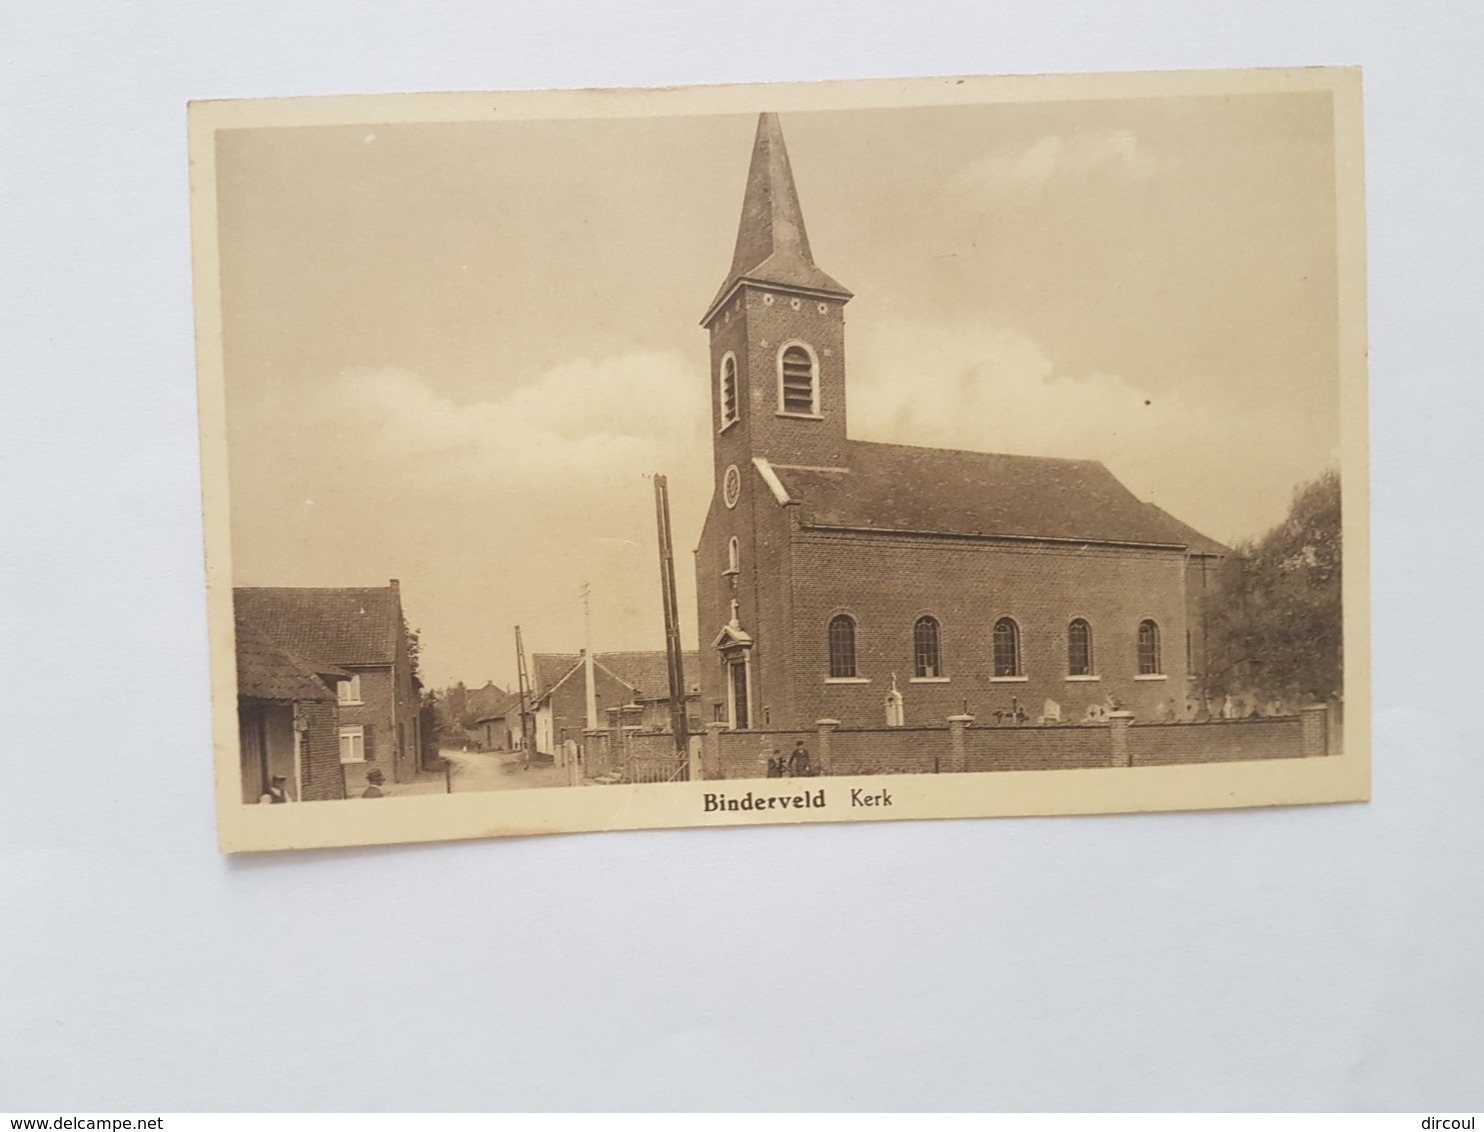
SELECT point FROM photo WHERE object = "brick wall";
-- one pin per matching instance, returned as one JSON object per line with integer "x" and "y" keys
{"x": 887, "y": 582}
{"x": 753, "y": 326}
{"x": 319, "y": 752}
{"x": 898, "y": 750}
{"x": 1220, "y": 740}
{"x": 745, "y": 754}
{"x": 375, "y": 713}
{"x": 1037, "y": 748}
{"x": 929, "y": 750}
{"x": 568, "y": 707}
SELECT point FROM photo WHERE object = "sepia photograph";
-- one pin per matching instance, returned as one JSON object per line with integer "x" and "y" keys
{"x": 967, "y": 447}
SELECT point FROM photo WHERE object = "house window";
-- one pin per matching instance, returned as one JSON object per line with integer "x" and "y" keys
{"x": 353, "y": 744}
{"x": 926, "y": 660}
{"x": 734, "y": 556}
{"x": 1079, "y": 648}
{"x": 730, "y": 407}
{"x": 1006, "y": 647}
{"x": 798, "y": 382}
{"x": 1148, "y": 648}
{"x": 842, "y": 647}
{"x": 349, "y": 691}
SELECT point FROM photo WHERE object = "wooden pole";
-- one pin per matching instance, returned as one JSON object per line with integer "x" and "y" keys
{"x": 674, "y": 658}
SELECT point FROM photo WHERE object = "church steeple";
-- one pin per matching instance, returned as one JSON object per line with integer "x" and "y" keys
{"x": 772, "y": 245}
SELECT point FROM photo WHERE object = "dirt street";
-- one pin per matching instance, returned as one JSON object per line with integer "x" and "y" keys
{"x": 499, "y": 770}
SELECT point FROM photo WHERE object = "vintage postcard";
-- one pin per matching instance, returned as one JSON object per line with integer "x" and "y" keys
{"x": 592, "y": 460}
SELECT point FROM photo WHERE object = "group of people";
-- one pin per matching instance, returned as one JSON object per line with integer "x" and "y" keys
{"x": 278, "y": 791}
{"x": 796, "y": 765}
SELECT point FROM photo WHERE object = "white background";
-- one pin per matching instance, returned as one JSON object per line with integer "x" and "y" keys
{"x": 1324, "y": 957}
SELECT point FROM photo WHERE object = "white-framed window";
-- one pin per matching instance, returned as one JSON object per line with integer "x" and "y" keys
{"x": 349, "y": 691}
{"x": 1006, "y": 648}
{"x": 1079, "y": 648}
{"x": 798, "y": 381}
{"x": 842, "y": 647}
{"x": 1149, "y": 649}
{"x": 927, "y": 661}
{"x": 727, "y": 395}
{"x": 353, "y": 744}
{"x": 734, "y": 556}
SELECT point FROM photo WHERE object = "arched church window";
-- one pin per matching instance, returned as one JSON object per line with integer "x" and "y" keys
{"x": 1079, "y": 648}
{"x": 734, "y": 556}
{"x": 927, "y": 662}
{"x": 842, "y": 646}
{"x": 730, "y": 407}
{"x": 1148, "y": 648}
{"x": 798, "y": 381}
{"x": 1006, "y": 647}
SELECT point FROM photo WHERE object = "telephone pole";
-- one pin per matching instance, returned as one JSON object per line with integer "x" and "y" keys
{"x": 527, "y": 719}
{"x": 675, "y": 660}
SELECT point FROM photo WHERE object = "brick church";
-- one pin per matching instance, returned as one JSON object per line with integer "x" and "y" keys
{"x": 882, "y": 583}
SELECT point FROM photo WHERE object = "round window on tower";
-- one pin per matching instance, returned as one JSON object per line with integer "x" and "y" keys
{"x": 731, "y": 486}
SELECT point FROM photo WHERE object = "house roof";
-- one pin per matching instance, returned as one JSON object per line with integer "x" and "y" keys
{"x": 340, "y": 626}
{"x": 647, "y": 674}
{"x": 772, "y": 245}
{"x": 500, "y": 709}
{"x": 896, "y": 487}
{"x": 266, "y": 671}
{"x": 480, "y": 703}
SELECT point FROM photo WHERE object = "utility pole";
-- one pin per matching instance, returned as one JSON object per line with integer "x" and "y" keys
{"x": 527, "y": 719}
{"x": 673, "y": 657}
{"x": 587, "y": 657}
{"x": 589, "y": 678}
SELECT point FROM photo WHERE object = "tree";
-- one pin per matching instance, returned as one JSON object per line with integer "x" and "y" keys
{"x": 1273, "y": 620}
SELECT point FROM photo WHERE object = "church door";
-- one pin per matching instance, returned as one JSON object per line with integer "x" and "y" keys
{"x": 739, "y": 696}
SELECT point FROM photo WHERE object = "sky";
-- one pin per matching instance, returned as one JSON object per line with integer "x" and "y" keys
{"x": 454, "y": 352}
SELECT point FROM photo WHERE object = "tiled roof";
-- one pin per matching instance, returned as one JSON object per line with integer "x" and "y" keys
{"x": 648, "y": 673}
{"x": 340, "y": 626}
{"x": 266, "y": 671}
{"x": 480, "y": 703}
{"x": 895, "y": 487}
{"x": 1194, "y": 540}
{"x": 548, "y": 668}
{"x": 507, "y": 708}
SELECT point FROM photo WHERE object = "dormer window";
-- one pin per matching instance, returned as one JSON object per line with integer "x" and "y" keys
{"x": 798, "y": 381}
{"x": 731, "y": 409}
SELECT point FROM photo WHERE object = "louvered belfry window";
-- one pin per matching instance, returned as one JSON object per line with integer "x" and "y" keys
{"x": 798, "y": 381}
{"x": 728, "y": 391}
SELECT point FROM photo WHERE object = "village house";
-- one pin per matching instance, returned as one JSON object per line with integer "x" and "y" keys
{"x": 287, "y": 722}
{"x": 633, "y": 687}
{"x": 835, "y": 575}
{"x": 362, "y": 635}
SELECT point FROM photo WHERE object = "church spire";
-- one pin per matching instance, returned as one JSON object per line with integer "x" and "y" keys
{"x": 772, "y": 246}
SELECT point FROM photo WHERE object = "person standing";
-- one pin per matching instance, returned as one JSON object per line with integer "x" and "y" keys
{"x": 276, "y": 793}
{"x": 374, "y": 779}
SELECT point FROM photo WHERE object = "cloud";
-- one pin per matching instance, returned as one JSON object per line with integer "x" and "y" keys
{"x": 492, "y": 513}
{"x": 584, "y": 421}
{"x": 1055, "y": 159}
{"x": 1226, "y": 464}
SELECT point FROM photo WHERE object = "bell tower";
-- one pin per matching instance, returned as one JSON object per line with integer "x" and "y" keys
{"x": 777, "y": 331}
